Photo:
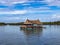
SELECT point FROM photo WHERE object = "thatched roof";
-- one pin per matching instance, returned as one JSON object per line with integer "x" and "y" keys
{"x": 32, "y": 22}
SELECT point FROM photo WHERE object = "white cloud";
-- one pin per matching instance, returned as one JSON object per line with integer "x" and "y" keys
{"x": 53, "y": 2}
{"x": 18, "y": 2}
{"x": 39, "y": 11}
{"x": 49, "y": 1}
{"x": 57, "y": 16}
{"x": 12, "y": 18}
{"x": 14, "y": 12}
{"x": 10, "y": 2}
{"x": 44, "y": 8}
{"x": 3, "y": 2}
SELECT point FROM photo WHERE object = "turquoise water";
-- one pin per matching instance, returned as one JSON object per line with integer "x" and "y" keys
{"x": 13, "y": 35}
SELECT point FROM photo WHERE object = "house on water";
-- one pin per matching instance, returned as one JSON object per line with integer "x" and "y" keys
{"x": 32, "y": 24}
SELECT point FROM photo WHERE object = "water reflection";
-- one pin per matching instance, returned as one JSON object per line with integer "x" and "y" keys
{"x": 33, "y": 36}
{"x": 36, "y": 31}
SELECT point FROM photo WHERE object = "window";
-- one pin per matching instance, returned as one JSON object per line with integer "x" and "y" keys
{"x": 35, "y": 25}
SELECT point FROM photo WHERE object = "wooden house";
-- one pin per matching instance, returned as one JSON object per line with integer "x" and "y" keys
{"x": 32, "y": 24}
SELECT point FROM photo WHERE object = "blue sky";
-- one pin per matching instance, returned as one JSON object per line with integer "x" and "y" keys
{"x": 20, "y": 10}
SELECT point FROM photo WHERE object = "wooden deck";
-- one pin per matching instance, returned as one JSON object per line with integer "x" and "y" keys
{"x": 31, "y": 26}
